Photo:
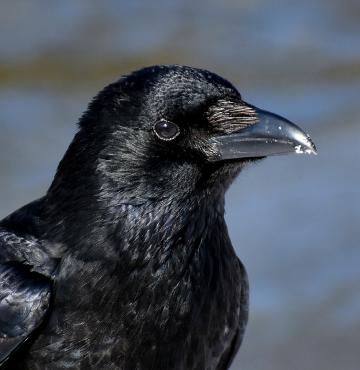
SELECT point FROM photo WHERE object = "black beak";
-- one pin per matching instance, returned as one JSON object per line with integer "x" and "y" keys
{"x": 270, "y": 135}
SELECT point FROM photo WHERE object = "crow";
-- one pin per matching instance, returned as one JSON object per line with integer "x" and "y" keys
{"x": 126, "y": 262}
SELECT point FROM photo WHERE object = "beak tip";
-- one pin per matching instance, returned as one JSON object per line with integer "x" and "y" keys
{"x": 306, "y": 148}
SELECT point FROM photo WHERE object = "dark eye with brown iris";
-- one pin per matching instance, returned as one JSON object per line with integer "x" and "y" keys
{"x": 166, "y": 130}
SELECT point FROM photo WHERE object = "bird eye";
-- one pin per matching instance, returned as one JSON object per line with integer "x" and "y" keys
{"x": 166, "y": 130}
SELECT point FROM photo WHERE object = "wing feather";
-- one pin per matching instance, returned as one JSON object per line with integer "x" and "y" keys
{"x": 24, "y": 302}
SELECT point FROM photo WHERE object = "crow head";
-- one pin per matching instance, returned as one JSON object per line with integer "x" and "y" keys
{"x": 168, "y": 131}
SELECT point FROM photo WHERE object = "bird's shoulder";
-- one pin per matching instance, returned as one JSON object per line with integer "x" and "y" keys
{"x": 21, "y": 239}
{"x": 25, "y": 279}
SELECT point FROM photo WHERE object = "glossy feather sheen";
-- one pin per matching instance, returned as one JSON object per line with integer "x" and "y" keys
{"x": 24, "y": 301}
{"x": 130, "y": 241}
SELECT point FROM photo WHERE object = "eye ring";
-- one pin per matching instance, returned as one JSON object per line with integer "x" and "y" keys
{"x": 166, "y": 130}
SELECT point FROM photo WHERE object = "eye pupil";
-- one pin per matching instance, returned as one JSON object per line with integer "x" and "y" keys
{"x": 166, "y": 130}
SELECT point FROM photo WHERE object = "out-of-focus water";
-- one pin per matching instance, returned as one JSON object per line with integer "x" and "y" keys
{"x": 295, "y": 220}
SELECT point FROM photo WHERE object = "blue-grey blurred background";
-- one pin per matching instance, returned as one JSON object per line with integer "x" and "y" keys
{"x": 295, "y": 221}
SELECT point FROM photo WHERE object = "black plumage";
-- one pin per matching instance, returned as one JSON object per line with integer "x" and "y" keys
{"x": 126, "y": 262}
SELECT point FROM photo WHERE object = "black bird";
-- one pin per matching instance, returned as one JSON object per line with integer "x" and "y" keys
{"x": 126, "y": 262}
